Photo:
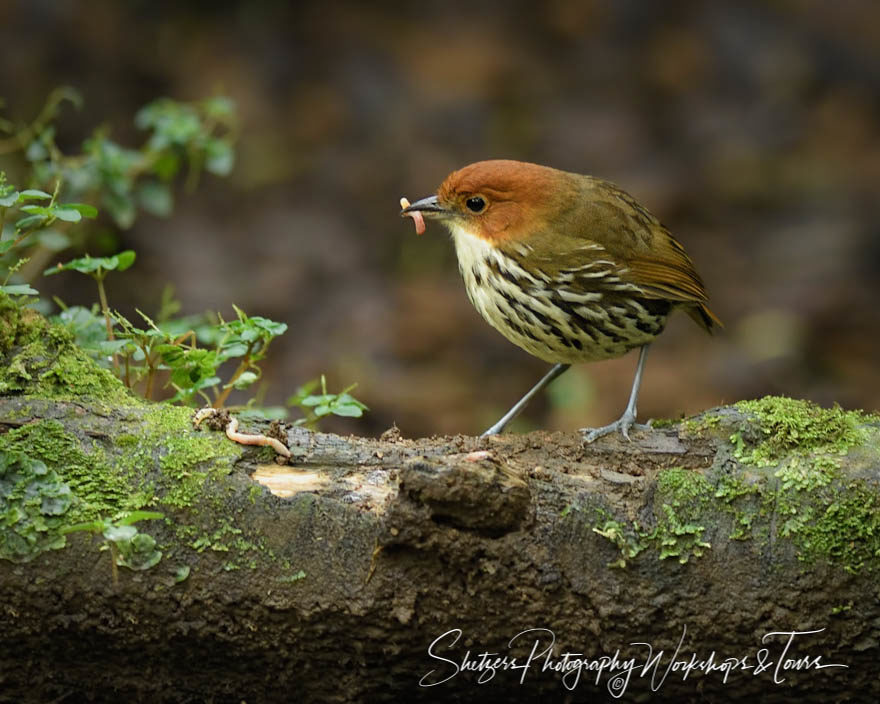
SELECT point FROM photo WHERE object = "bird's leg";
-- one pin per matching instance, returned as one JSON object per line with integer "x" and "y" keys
{"x": 628, "y": 419}
{"x": 523, "y": 402}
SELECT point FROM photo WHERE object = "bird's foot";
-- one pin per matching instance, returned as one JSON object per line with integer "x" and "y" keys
{"x": 622, "y": 425}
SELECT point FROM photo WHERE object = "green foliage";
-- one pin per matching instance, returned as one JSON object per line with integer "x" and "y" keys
{"x": 97, "y": 267}
{"x": 63, "y": 189}
{"x": 680, "y": 505}
{"x": 128, "y": 547}
{"x": 788, "y": 425}
{"x": 201, "y": 359}
{"x": 627, "y": 540}
{"x": 316, "y": 406}
{"x": 33, "y": 501}
{"x": 31, "y": 218}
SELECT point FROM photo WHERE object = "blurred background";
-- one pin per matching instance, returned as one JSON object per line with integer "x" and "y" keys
{"x": 751, "y": 128}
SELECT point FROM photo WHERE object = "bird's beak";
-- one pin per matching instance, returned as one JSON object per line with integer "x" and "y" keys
{"x": 430, "y": 206}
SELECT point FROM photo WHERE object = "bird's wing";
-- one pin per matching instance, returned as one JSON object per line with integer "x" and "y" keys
{"x": 622, "y": 238}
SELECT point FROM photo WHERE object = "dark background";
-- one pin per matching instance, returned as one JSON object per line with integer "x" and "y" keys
{"x": 752, "y": 129}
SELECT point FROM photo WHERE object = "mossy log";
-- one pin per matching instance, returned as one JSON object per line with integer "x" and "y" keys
{"x": 385, "y": 569}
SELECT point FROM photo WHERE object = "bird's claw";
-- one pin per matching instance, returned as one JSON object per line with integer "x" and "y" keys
{"x": 622, "y": 425}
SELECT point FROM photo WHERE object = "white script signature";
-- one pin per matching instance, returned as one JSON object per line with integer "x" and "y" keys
{"x": 538, "y": 646}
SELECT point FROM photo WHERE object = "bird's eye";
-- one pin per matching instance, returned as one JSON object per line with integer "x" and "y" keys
{"x": 476, "y": 204}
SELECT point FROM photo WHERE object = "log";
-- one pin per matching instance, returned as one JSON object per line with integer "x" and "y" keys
{"x": 725, "y": 557}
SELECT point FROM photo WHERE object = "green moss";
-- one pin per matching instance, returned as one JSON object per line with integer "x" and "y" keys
{"x": 162, "y": 463}
{"x": 682, "y": 501}
{"x": 788, "y": 489}
{"x": 41, "y": 360}
{"x": 658, "y": 423}
{"x": 737, "y": 498}
{"x": 786, "y": 425}
{"x": 166, "y": 464}
{"x": 826, "y": 517}
{"x": 10, "y": 315}
{"x": 97, "y": 488}
{"x": 841, "y": 526}
{"x": 625, "y": 537}
{"x": 701, "y": 424}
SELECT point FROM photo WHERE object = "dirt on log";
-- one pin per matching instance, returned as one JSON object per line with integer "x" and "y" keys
{"x": 727, "y": 557}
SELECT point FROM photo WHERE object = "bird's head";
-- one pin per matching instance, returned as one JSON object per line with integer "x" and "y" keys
{"x": 498, "y": 200}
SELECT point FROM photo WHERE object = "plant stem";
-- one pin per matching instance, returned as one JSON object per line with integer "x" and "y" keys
{"x": 151, "y": 374}
{"x": 242, "y": 368}
{"x": 113, "y": 554}
{"x": 105, "y": 308}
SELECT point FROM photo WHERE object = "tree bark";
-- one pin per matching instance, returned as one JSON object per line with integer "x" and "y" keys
{"x": 384, "y": 569}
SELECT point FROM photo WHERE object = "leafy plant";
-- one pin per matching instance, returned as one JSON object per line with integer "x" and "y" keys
{"x": 202, "y": 358}
{"x": 316, "y": 406}
{"x": 33, "y": 501}
{"x": 191, "y": 137}
{"x": 35, "y": 217}
{"x": 98, "y": 269}
{"x": 189, "y": 353}
{"x": 128, "y": 547}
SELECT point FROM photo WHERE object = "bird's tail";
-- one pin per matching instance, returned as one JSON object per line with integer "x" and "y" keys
{"x": 704, "y": 317}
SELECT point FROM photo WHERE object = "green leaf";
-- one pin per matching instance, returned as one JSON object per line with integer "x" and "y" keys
{"x": 121, "y": 208}
{"x": 33, "y": 194}
{"x": 316, "y": 400}
{"x": 84, "y": 265}
{"x": 181, "y": 573}
{"x": 67, "y": 214}
{"x": 19, "y": 290}
{"x": 172, "y": 355}
{"x": 270, "y": 326}
{"x": 57, "y": 501}
{"x": 236, "y": 349}
{"x": 123, "y": 260}
{"x": 135, "y": 516}
{"x": 156, "y": 198}
{"x": 36, "y": 209}
{"x": 116, "y": 533}
{"x": 219, "y": 157}
{"x": 245, "y": 380}
{"x": 88, "y": 265}
{"x": 84, "y": 209}
{"x": 323, "y": 410}
{"x": 166, "y": 165}
{"x": 89, "y": 329}
{"x": 30, "y": 222}
{"x": 9, "y": 199}
{"x": 219, "y": 107}
{"x": 139, "y": 553}
{"x": 91, "y": 526}
{"x": 348, "y": 410}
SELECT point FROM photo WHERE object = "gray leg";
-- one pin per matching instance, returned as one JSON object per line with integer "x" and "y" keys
{"x": 628, "y": 419}
{"x": 523, "y": 402}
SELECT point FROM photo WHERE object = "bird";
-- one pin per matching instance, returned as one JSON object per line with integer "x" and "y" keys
{"x": 568, "y": 267}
